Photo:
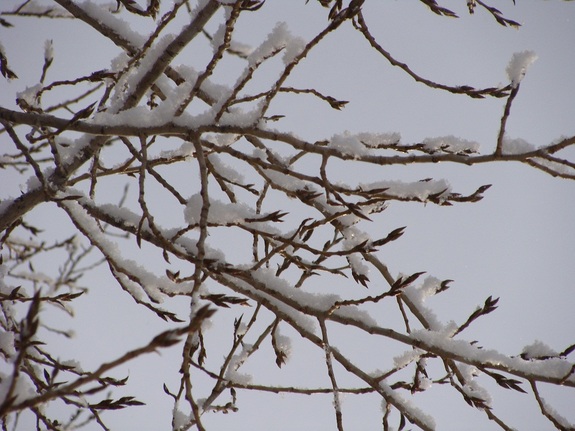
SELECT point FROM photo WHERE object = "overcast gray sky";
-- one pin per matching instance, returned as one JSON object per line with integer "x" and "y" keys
{"x": 518, "y": 243}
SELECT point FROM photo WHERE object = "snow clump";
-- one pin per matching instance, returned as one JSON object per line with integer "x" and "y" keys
{"x": 518, "y": 66}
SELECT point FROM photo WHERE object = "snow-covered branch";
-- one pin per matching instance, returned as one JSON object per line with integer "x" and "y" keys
{"x": 180, "y": 182}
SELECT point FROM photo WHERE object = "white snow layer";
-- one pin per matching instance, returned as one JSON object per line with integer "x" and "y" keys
{"x": 565, "y": 424}
{"x": 450, "y": 144}
{"x": 538, "y": 349}
{"x": 407, "y": 406}
{"x": 279, "y": 38}
{"x": 118, "y": 25}
{"x": 518, "y": 65}
{"x": 48, "y": 50}
{"x": 556, "y": 368}
{"x": 516, "y": 146}
{"x": 420, "y": 190}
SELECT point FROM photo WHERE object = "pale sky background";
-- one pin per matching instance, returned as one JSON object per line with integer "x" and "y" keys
{"x": 518, "y": 243}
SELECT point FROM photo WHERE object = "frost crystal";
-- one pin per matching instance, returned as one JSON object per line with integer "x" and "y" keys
{"x": 518, "y": 66}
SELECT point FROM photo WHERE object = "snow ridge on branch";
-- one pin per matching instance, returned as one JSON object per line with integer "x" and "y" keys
{"x": 195, "y": 162}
